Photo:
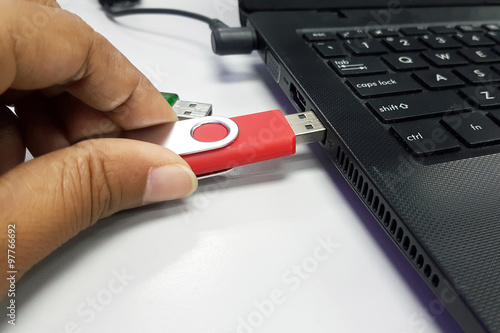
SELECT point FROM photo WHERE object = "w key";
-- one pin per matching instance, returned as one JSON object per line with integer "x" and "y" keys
{"x": 449, "y": 58}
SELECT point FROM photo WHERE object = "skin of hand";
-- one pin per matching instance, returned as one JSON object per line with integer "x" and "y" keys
{"x": 68, "y": 83}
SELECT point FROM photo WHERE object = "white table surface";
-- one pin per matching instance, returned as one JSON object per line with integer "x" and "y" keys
{"x": 246, "y": 253}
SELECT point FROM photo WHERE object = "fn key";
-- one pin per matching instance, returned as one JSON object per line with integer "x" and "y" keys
{"x": 425, "y": 137}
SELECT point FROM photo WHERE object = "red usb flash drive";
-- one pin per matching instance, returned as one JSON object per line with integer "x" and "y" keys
{"x": 215, "y": 144}
{"x": 261, "y": 136}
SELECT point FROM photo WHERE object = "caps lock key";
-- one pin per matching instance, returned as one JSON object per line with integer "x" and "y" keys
{"x": 386, "y": 84}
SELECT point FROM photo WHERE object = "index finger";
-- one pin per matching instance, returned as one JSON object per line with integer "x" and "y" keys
{"x": 43, "y": 46}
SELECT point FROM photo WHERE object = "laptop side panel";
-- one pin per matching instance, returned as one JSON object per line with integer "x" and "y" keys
{"x": 443, "y": 214}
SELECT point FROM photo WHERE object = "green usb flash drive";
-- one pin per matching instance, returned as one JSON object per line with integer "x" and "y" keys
{"x": 171, "y": 98}
{"x": 185, "y": 109}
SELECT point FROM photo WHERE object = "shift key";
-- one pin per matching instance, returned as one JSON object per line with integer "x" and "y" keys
{"x": 380, "y": 85}
{"x": 397, "y": 108}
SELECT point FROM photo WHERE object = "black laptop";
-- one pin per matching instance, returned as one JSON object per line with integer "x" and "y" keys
{"x": 409, "y": 92}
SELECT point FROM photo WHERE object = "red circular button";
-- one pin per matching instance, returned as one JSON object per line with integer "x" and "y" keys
{"x": 211, "y": 132}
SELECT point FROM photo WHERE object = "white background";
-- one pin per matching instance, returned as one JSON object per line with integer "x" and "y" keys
{"x": 217, "y": 261}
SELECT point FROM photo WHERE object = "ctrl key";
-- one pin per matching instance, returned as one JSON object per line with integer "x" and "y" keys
{"x": 425, "y": 137}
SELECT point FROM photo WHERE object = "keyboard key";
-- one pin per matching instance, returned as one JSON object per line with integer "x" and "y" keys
{"x": 365, "y": 46}
{"x": 496, "y": 68}
{"x": 441, "y": 59}
{"x": 438, "y": 78}
{"x": 414, "y": 31}
{"x": 404, "y": 44}
{"x": 384, "y": 33}
{"x": 319, "y": 36}
{"x": 440, "y": 42}
{"x": 485, "y": 97}
{"x": 383, "y": 85}
{"x": 403, "y": 62}
{"x": 425, "y": 137}
{"x": 358, "y": 66}
{"x": 330, "y": 49}
{"x": 478, "y": 74}
{"x": 493, "y": 35}
{"x": 475, "y": 129}
{"x": 495, "y": 114}
{"x": 474, "y": 39}
{"x": 397, "y": 108}
{"x": 443, "y": 30}
{"x": 491, "y": 27}
{"x": 479, "y": 56}
{"x": 469, "y": 28}
{"x": 350, "y": 34}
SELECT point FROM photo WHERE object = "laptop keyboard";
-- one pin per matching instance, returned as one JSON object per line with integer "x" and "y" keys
{"x": 436, "y": 87}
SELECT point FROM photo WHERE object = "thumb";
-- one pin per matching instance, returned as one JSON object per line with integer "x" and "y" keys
{"x": 53, "y": 197}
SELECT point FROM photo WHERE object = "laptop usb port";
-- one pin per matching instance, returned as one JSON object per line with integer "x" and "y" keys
{"x": 297, "y": 97}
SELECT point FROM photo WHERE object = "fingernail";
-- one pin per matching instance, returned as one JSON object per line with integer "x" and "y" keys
{"x": 169, "y": 182}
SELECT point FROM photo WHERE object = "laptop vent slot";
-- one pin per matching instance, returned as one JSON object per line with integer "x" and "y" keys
{"x": 383, "y": 213}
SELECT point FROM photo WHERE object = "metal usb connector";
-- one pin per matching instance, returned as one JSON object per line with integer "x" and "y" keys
{"x": 191, "y": 110}
{"x": 307, "y": 127}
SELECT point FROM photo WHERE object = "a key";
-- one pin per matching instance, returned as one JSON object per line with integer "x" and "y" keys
{"x": 425, "y": 137}
{"x": 397, "y": 108}
{"x": 380, "y": 85}
{"x": 483, "y": 96}
{"x": 438, "y": 78}
{"x": 474, "y": 129}
{"x": 358, "y": 66}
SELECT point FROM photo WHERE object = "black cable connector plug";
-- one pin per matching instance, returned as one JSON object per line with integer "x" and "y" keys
{"x": 125, "y": 3}
{"x": 225, "y": 40}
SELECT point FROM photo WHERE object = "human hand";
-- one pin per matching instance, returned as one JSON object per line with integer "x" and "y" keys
{"x": 67, "y": 83}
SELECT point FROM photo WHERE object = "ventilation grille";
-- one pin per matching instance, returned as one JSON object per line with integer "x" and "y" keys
{"x": 385, "y": 216}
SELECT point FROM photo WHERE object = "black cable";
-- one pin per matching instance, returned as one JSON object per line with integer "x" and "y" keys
{"x": 134, "y": 11}
{"x": 225, "y": 40}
